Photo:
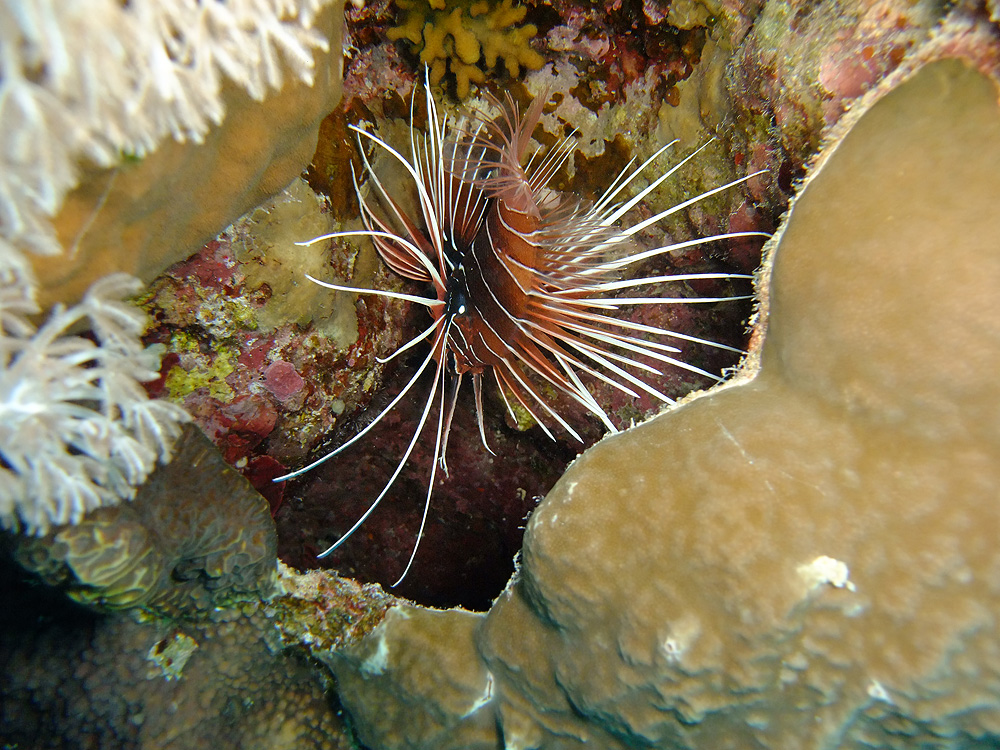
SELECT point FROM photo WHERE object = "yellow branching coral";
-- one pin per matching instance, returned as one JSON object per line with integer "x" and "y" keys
{"x": 469, "y": 38}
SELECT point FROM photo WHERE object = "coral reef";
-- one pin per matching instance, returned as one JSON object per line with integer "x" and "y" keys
{"x": 627, "y": 79}
{"x": 264, "y": 360}
{"x": 216, "y": 361}
{"x": 467, "y": 38}
{"x": 374, "y": 66}
{"x": 194, "y": 642}
{"x": 195, "y": 538}
{"x": 73, "y": 681}
{"x": 805, "y": 557}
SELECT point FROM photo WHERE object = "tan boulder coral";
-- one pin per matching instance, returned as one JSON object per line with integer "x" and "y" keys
{"x": 806, "y": 558}
{"x": 150, "y": 211}
{"x": 423, "y": 683}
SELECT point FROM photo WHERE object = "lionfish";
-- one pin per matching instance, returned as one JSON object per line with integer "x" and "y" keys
{"x": 519, "y": 277}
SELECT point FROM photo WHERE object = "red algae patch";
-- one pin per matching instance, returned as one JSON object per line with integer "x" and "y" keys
{"x": 282, "y": 380}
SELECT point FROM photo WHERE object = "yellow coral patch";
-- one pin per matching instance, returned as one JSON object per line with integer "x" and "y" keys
{"x": 467, "y": 38}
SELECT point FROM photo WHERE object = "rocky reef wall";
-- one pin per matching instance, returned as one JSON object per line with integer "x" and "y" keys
{"x": 803, "y": 558}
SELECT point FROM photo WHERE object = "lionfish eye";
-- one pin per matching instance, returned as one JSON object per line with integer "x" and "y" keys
{"x": 456, "y": 300}
{"x": 456, "y": 303}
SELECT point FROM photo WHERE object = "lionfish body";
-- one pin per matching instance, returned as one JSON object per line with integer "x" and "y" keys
{"x": 519, "y": 278}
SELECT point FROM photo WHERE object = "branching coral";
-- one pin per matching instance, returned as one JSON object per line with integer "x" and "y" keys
{"x": 77, "y": 431}
{"x": 467, "y": 37}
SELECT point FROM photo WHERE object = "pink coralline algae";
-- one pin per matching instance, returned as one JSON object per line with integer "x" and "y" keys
{"x": 283, "y": 381}
{"x": 239, "y": 426}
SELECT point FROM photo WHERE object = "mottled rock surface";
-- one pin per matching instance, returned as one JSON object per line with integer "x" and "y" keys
{"x": 73, "y": 679}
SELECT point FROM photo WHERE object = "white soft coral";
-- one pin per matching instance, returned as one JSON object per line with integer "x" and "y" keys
{"x": 77, "y": 431}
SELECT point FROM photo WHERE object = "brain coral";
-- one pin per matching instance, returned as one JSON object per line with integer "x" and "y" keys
{"x": 806, "y": 558}
{"x": 467, "y": 37}
{"x": 196, "y": 536}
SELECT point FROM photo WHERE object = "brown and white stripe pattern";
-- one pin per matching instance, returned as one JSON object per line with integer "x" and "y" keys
{"x": 520, "y": 278}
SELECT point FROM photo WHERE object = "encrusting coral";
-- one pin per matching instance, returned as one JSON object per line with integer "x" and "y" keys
{"x": 467, "y": 38}
{"x": 804, "y": 558}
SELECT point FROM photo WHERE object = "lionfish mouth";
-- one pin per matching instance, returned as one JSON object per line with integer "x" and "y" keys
{"x": 519, "y": 279}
